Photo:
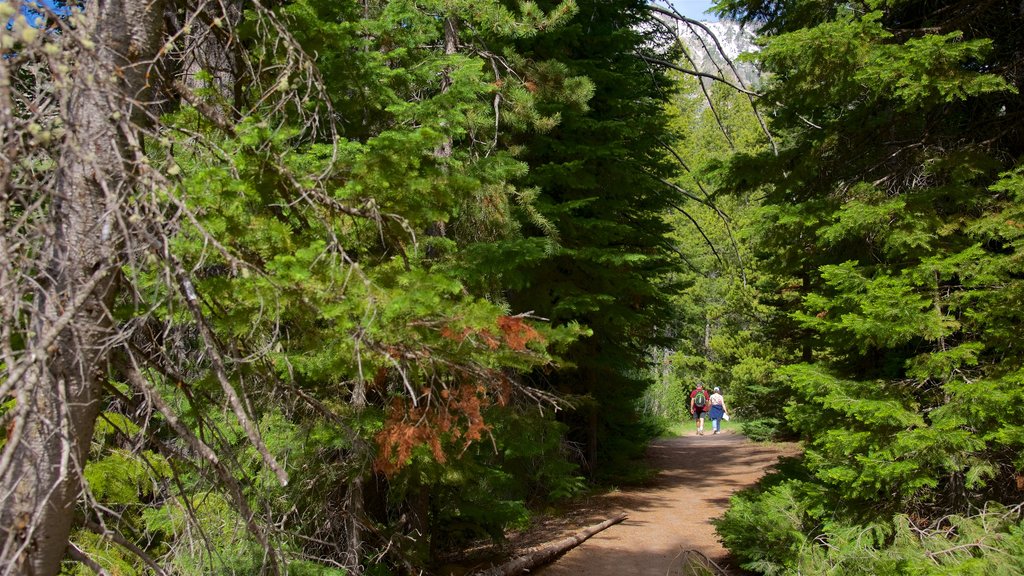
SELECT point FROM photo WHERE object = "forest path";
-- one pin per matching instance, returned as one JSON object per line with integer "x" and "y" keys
{"x": 672, "y": 514}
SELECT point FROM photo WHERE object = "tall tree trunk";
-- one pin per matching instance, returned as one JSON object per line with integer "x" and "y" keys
{"x": 451, "y": 46}
{"x": 210, "y": 47}
{"x": 355, "y": 505}
{"x": 58, "y": 385}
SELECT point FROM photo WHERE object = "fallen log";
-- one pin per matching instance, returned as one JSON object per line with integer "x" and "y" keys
{"x": 539, "y": 555}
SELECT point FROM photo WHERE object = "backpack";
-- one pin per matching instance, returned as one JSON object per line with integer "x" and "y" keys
{"x": 700, "y": 399}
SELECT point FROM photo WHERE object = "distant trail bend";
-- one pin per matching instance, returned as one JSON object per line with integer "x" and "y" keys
{"x": 697, "y": 475}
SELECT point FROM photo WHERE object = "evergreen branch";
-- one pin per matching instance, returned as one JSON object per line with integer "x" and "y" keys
{"x": 722, "y": 215}
{"x": 685, "y": 166}
{"x": 686, "y": 260}
{"x": 674, "y": 14}
{"x": 206, "y": 110}
{"x": 187, "y": 290}
{"x": 680, "y": 189}
{"x": 130, "y": 370}
{"x": 79, "y": 555}
{"x": 127, "y": 545}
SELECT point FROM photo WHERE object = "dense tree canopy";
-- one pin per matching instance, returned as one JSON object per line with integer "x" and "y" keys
{"x": 889, "y": 228}
{"x": 276, "y": 275}
{"x": 338, "y": 287}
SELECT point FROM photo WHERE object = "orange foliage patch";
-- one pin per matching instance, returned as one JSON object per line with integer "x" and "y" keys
{"x": 450, "y": 334}
{"x": 517, "y": 333}
{"x": 504, "y": 391}
{"x": 514, "y": 331}
{"x": 454, "y": 414}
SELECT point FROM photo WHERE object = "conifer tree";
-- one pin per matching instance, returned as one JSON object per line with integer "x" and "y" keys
{"x": 271, "y": 322}
{"x": 890, "y": 220}
{"x": 599, "y": 174}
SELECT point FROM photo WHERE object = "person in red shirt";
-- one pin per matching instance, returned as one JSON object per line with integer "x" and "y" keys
{"x": 699, "y": 405}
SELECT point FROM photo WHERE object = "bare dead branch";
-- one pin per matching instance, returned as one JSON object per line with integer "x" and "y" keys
{"x": 675, "y": 15}
{"x": 77, "y": 554}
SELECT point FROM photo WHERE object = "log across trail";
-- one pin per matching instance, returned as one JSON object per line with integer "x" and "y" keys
{"x": 672, "y": 514}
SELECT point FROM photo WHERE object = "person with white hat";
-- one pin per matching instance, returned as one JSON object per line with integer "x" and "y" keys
{"x": 718, "y": 410}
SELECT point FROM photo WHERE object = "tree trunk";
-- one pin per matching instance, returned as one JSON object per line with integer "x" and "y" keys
{"x": 210, "y": 47}
{"x": 540, "y": 555}
{"x": 57, "y": 384}
{"x": 593, "y": 423}
{"x": 355, "y": 505}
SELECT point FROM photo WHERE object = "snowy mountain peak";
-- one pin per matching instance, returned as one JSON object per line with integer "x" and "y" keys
{"x": 732, "y": 40}
{"x": 735, "y": 39}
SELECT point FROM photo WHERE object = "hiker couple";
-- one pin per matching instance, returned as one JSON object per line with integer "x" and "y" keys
{"x": 713, "y": 406}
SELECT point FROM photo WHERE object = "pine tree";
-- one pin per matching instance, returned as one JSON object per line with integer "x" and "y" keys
{"x": 285, "y": 334}
{"x": 606, "y": 265}
{"x": 890, "y": 220}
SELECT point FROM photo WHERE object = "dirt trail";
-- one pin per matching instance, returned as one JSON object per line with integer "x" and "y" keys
{"x": 673, "y": 513}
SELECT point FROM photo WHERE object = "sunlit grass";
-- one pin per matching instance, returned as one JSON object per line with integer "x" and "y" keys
{"x": 689, "y": 427}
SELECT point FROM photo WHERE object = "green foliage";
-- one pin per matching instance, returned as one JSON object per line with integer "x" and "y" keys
{"x": 229, "y": 549}
{"x": 888, "y": 220}
{"x": 121, "y": 477}
{"x": 766, "y": 547}
{"x": 111, "y": 557}
{"x": 988, "y": 542}
{"x": 305, "y": 568}
{"x": 606, "y": 267}
{"x": 353, "y": 254}
{"x": 723, "y": 335}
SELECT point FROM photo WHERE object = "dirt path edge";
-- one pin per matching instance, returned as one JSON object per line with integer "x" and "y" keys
{"x": 672, "y": 514}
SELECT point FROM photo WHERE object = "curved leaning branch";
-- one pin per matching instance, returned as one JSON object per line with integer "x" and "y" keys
{"x": 698, "y": 74}
{"x": 726, "y": 220}
{"x": 739, "y": 86}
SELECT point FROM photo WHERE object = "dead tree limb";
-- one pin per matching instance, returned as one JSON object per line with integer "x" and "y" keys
{"x": 674, "y": 14}
{"x": 540, "y": 555}
{"x": 694, "y": 563}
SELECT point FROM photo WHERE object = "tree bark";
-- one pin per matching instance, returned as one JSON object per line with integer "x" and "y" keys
{"x": 57, "y": 384}
{"x": 540, "y": 555}
{"x": 211, "y": 47}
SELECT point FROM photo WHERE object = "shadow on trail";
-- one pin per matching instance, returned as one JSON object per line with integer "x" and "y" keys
{"x": 672, "y": 513}
{"x": 629, "y": 561}
{"x": 696, "y": 462}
